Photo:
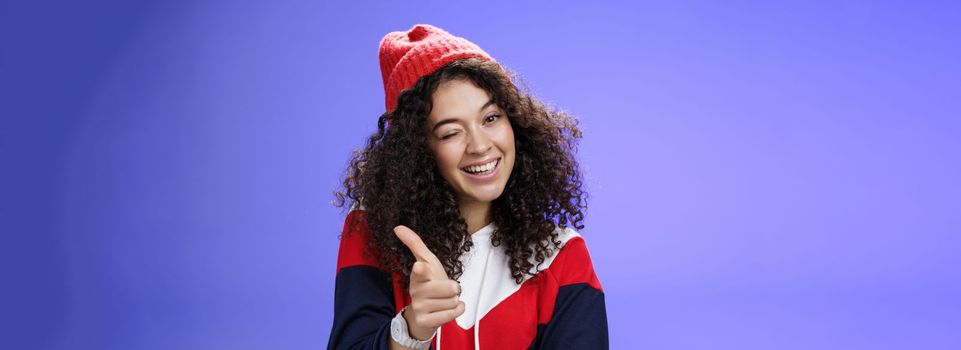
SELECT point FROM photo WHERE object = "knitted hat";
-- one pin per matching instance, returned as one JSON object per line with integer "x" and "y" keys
{"x": 405, "y": 57}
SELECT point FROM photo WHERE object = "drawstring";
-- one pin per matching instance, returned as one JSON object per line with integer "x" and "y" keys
{"x": 477, "y": 311}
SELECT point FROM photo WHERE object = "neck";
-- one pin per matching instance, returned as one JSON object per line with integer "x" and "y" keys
{"x": 477, "y": 214}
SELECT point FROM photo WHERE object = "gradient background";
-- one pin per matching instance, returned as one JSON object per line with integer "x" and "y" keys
{"x": 762, "y": 176}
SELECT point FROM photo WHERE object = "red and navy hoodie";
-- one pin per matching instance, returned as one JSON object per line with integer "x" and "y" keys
{"x": 561, "y": 307}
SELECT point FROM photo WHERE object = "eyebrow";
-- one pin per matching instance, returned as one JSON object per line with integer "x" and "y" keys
{"x": 452, "y": 120}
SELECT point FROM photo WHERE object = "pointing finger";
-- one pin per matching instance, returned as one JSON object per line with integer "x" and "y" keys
{"x": 415, "y": 244}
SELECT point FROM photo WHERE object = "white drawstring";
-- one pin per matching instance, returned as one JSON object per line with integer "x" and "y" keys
{"x": 477, "y": 313}
{"x": 480, "y": 297}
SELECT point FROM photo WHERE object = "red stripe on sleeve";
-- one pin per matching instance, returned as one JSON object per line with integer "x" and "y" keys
{"x": 353, "y": 242}
{"x": 571, "y": 266}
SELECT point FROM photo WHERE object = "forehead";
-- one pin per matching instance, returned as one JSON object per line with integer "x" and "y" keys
{"x": 458, "y": 98}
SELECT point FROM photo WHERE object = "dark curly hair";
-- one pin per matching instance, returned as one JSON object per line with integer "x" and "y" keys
{"x": 396, "y": 180}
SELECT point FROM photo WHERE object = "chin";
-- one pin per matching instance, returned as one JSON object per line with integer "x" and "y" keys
{"x": 485, "y": 196}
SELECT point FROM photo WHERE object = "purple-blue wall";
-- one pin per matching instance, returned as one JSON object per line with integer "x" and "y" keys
{"x": 762, "y": 176}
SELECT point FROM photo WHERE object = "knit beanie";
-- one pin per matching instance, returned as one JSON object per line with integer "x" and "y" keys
{"x": 407, "y": 56}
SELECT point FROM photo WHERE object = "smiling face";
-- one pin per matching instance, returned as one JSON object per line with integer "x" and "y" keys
{"x": 472, "y": 141}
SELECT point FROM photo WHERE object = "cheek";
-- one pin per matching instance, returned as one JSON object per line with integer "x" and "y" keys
{"x": 505, "y": 138}
{"x": 447, "y": 157}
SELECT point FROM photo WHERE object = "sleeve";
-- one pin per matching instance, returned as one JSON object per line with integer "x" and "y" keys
{"x": 363, "y": 295}
{"x": 578, "y": 317}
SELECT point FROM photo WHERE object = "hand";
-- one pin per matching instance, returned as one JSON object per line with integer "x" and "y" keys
{"x": 434, "y": 297}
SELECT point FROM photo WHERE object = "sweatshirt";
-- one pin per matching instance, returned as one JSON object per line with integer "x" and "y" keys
{"x": 560, "y": 307}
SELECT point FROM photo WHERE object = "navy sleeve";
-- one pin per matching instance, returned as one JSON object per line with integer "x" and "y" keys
{"x": 579, "y": 320}
{"x": 363, "y": 308}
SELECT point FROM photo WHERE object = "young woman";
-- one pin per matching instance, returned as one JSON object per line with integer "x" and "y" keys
{"x": 464, "y": 205}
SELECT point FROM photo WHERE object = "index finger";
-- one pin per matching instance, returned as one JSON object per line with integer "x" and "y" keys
{"x": 415, "y": 244}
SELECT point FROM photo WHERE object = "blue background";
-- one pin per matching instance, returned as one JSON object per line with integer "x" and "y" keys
{"x": 762, "y": 175}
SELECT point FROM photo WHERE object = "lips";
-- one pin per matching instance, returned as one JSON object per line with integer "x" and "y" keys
{"x": 482, "y": 168}
{"x": 485, "y": 176}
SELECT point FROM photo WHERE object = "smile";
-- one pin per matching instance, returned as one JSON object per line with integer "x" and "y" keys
{"x": 482, "y": 169}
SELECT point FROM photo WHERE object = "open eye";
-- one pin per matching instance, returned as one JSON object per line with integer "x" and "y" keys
{"x": 491, "y": 118}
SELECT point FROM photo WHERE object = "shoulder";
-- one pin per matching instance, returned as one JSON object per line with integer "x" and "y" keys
{"x": 571, "y": 263}
{"x": 567, "y": 237}
{"x": 571, "y": 242}
{"x": 354, "y": 242}
{"x": 564, "y": 234}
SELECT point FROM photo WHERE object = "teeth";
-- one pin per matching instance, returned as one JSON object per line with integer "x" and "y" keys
{"x": 481, "y": 168}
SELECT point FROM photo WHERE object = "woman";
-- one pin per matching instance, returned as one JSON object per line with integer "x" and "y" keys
{"x": 465, "y": 202}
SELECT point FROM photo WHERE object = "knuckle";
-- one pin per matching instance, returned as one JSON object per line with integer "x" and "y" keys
{"x": 421, "y": 269}
{"x": 448, "y": 291}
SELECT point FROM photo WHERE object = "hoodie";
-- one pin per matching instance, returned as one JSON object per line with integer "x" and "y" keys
{"x": 560, "y": 307}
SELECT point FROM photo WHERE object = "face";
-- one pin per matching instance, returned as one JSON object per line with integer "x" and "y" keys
{"x": 472, "y": 141}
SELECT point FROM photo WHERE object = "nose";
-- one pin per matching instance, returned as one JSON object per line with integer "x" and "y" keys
{"x": 479, "y": 142}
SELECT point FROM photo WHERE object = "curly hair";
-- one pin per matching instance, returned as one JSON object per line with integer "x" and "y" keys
{"x": 396, "y": 180}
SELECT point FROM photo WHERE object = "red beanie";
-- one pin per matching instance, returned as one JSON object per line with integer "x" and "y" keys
{"x": 405, "y": 57}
